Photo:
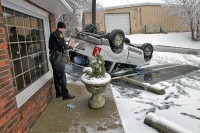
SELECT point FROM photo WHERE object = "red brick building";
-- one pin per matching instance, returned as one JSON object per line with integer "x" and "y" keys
{"x": 26, "y": 84}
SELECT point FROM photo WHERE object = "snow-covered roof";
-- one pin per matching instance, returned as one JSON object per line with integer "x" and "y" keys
{"x": 114, "y": 3}
{"x": 130, "y": 5}
{"x": 133, "y": 5}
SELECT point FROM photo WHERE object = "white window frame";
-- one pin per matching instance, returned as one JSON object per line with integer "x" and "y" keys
{"x": 26, "y": 8}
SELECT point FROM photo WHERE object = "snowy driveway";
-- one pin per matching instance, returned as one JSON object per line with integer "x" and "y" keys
{"x": 180, "y": 104}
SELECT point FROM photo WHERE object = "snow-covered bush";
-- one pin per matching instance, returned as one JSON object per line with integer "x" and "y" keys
{"x": 96, "y": 68}
{"x": 87, "y": 70}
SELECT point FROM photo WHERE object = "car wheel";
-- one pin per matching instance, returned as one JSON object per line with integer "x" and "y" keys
{"x": 90, "y": 28}
{"x": 116, "y": 38}
{"x": 148, "y": 50}
{"x": 127, "y": 41}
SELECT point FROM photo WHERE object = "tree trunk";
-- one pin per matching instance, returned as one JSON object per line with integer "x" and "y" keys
{"x": 192, "y": 29}
{"x": 193, "y": 38}
{"x": 198, "y": 31}
{"x": 83, "y": 19}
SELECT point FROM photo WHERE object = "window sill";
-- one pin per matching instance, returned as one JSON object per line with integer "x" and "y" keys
{"x": 23, "y": 96}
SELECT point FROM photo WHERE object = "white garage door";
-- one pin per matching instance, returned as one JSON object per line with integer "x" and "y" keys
{"x": 118, "y": 21}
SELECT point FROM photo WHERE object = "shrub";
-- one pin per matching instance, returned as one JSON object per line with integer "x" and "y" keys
{"x": 96, "y": 68}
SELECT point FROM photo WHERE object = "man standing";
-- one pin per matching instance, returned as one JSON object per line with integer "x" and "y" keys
{"x": 57, "y": 45}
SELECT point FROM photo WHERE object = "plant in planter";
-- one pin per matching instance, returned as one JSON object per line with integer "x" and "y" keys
{"x": 96, "y": 81}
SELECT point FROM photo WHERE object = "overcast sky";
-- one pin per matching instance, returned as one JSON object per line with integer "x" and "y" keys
{"x": 109, "y": 3}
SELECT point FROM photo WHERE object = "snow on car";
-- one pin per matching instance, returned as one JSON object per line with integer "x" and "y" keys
{"x": 117, "y": 51}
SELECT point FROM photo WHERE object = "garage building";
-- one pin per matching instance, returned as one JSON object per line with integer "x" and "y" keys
{"x": 136, "y": 18}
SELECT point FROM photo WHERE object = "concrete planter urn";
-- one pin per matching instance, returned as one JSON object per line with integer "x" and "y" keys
{"x": 96, "y": 86}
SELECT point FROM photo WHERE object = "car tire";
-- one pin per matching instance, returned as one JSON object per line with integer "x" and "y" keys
{"x": 91, "y": 28}
{"x": 116, "y": 38}
{"x": 127, "y": 41}
{"x": 147, "y": 49}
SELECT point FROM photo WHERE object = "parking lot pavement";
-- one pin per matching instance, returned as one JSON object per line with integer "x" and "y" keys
{"x": 57, "y": 117}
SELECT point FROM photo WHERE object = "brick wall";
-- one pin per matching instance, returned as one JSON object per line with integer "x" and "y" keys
{"x": 8, "y": 107}
{"x": 12, "y": 118}
{"x": 31, "y": 110}
{"x": 52, "y": 23}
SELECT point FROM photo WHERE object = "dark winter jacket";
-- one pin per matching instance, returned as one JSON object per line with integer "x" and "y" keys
{"x": 57, "y": 42}
{"x": 57, "y": 46}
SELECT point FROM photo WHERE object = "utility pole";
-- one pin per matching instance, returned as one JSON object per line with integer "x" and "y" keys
{"x": 94, "y": 12}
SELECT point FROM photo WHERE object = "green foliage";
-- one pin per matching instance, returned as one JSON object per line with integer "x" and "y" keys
{"x": 98, "y": 67}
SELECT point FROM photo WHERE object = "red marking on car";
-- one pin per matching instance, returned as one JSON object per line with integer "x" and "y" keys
{"x": 96, "y": 51}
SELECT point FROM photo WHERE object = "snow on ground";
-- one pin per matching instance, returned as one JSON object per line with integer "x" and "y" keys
{"x": 182, "y": 39}
{"x": 163, "y": 58}
{"x": 180, "y": 104}
{"x": 164, "y": 121}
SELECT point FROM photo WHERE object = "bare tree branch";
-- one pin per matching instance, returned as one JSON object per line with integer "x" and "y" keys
{"x": 187, "y": 12}
{"x": 74, "y": 19}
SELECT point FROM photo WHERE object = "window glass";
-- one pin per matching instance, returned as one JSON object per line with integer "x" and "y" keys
{"x": 38, "y": 46}
{"x": 12, "y": 34}
{"x": 27, "y": 78}
{"x": 25, "y": 64}
{"x": 33, "y": 75}
{"x": 38, "y": 71}
{"x": 36, "y": 59}
{"x": 20, "y": 34}
{"x": 29, "y": 48}
{"x": 19, "y": 19}
{"x": 10, "y": 16}
{"x": 26, "y": 45}
{"x": 33, "y": 35}
{"x": 17, "y": 67}
{"x": 34, "y": 22}
{"x": 23, "y": 49}
{"x": 15, "y": 53}
{"x": 27, "y": 33}
{"x": 26, "y": 21}
{"x": 31, "y": 61}
{"x": 20, "y": 83}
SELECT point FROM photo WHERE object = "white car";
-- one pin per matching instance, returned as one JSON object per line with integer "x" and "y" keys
{"x": 117, "y": 51}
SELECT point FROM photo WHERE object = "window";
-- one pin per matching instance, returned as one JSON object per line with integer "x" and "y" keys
{"x": 26, "y": 42}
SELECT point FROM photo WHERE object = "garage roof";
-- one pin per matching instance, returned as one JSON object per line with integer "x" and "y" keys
{"x": 110, "y": 3}
{"x": 132, "y": 5}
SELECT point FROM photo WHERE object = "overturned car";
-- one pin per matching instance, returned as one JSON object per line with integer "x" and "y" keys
{"x": 117, "y": 51}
